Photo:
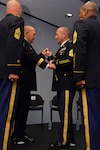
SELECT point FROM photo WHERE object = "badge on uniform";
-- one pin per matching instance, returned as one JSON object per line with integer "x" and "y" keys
{"x": 62, "y": 50}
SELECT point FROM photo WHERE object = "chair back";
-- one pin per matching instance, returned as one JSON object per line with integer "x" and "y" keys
{"x": 54, "y": 101}
{"x": 37, "y": 103}
{"x": 36, "y": 100}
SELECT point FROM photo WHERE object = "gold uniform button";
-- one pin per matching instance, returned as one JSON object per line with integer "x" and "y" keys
{"x": 65, "y": 75}
{"x": 18, "y": 61}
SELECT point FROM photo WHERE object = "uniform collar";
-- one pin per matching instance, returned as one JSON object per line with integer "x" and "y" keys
{"x": 62, "y": 45}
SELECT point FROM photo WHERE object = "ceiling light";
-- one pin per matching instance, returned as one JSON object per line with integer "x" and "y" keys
{"x": 68, "y": 15}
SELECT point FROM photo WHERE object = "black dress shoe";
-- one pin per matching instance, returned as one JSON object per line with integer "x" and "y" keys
{"x": 72, "y": 144}
{"x": 28, "y": 139}
{"x": 57, "y": 145}
{"x": 15, "y": 141}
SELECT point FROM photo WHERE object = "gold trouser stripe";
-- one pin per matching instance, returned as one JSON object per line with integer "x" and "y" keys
{"x": 12, "y": 129}
{"x": 11, "y": 105}
{"x": 86, "y": 123}
{"x": 65, "y": 129}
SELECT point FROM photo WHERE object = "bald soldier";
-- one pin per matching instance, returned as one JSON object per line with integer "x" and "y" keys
{"x": 30, "y": 59}
{"x": 11, "y": 42}
{"x": 64, "y": 86}
{"x": 86, "y": 40}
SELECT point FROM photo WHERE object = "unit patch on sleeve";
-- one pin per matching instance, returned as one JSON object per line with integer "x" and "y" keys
{"x": 17, "y": 33}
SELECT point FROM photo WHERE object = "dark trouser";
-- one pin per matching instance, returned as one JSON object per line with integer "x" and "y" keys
{"x": 90, "y": 100}
{"x": 65, "y": 101}
{"x": 21, "y": 113}
{"x": 7, "y": 103}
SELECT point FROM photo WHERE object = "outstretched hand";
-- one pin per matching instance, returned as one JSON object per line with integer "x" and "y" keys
{"x": 47, "y": 52}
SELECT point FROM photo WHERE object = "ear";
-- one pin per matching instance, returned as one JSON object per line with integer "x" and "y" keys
{"x": 85, "y": 12}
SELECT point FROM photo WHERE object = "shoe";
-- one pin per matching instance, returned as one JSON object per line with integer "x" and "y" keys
{"x": 28, "y": 139}
{"x": 72, "y": 144}
{"x": 57, "y": 145}
{"x": 16, "y": 141}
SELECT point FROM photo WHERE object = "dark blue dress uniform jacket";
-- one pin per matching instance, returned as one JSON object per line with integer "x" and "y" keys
{"x": 63, "y": 75}
{"x": 11, "y": 45}
{"x": 86, "y": 40}
{"x": 30, "y": 60}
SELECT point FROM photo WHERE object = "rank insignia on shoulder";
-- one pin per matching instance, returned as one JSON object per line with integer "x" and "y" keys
{"x": 17, "y": 33}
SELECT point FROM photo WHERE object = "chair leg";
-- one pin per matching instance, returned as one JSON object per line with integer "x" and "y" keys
{"x": 77, "y": 122}
{"x": 51, "y": 115}
{"x": 51, "y": 120}
{"x": 42, "y": 119}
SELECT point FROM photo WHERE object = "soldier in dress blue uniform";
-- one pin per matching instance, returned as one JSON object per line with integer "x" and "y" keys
{"x": 30, "y": 59}
{"x": 86, "y": 40}
{"x": 64, "y": 85}
{"x": 11, "y": 43}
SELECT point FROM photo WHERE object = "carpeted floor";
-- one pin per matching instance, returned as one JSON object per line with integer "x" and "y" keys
{"x": 44, "y": 138}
